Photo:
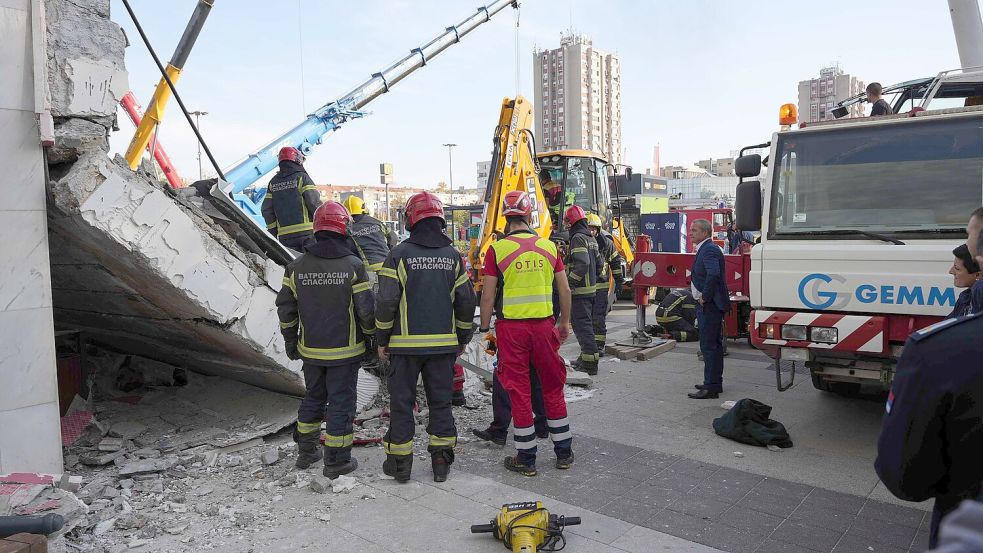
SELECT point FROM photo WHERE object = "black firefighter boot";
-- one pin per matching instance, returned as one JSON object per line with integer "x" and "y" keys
{"x": 442, "y": 459}
{"x": 338, "y": 461}
{"x": 398, "y": 466}
{"x": 308, "y": 451}
{"x": 589, "y": 367}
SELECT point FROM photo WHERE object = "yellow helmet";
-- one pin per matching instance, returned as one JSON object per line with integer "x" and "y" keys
{"x": 593, "y": 220}
{"x": 355, "y": 205}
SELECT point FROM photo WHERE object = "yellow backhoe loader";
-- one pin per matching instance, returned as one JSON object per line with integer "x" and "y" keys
{"x": 554, "y": 181}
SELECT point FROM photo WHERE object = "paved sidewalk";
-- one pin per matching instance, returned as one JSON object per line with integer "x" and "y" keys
{"x": 726, "y": 508}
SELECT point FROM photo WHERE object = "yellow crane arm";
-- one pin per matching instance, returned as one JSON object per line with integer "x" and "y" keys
{"x": 513, "y": 168}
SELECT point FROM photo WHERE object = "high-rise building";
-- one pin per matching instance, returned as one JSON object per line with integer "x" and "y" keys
{"x": 484, "y": 167}
{"x": 818, "y": 96}
{"x": 578, "y": 98}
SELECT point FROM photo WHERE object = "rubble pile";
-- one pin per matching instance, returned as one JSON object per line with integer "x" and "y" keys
{"x": 178, "y": 461}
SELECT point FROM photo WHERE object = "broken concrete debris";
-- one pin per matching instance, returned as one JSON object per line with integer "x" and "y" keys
{"x": 270, "y": 456}
{"x": 110, "y": 444}
{"x": 127, "y": 430}
{"x": 148, "y": 465}
{"x": 343, "y": 484}
{"x": 134, "y": 265}
{"x": 94, "y": 459}
{"x": 320, "y": 484}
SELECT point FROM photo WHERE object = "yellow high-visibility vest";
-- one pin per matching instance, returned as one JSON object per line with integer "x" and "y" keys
{"x": 526, "y": 266}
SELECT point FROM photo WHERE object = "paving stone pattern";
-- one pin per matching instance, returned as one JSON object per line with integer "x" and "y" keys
{"x": 721, "y": 507}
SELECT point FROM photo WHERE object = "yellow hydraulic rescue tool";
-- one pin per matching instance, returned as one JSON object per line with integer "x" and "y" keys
{"x": 513, "y": 167}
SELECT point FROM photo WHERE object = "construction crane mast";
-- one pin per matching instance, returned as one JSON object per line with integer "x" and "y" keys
{"x": 332, "y": 115}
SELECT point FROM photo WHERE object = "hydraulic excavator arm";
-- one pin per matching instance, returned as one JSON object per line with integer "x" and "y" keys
{"x": 514, "y": 167}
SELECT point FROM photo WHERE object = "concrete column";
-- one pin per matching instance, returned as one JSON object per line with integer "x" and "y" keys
{"x": 30, "y": 433}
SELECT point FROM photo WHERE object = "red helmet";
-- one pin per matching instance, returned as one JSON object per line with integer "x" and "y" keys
{"x": 516, "y": 202}
{"x": 574, "y": 213}
{"x": 289, "y": 153}
{"x": 332, "y": 217}
{"x": 421, "y": 206}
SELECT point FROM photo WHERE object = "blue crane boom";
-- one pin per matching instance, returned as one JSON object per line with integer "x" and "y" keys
{"x": 334, "y": 114}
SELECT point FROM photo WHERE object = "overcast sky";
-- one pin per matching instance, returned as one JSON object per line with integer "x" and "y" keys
{"x": 700, "y": 77}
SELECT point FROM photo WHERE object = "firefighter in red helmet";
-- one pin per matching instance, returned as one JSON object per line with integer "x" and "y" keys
{"x": 290, "y": 202}
{"x": 424, "y": 318}
{"x": 329, "y": 278}
{"x": 583, "y": 261}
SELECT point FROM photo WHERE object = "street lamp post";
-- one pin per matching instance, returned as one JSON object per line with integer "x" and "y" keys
{"x": 198, "y": 114}
{"x": 450, "y": 169}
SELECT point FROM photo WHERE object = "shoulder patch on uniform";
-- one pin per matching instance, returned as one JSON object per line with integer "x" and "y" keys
{"x": 941, "y": 325}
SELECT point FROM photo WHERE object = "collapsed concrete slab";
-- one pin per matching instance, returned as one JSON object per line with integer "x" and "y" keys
{"x": 139, "y": 268}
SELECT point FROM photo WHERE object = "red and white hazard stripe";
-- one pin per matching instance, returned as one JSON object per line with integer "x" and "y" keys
{"x": 859, "y": 333}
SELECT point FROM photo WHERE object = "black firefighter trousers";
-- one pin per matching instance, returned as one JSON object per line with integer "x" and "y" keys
{"x": 581, "y": 311}
{"x": 438, "y": 383}
{"x": 599, "y": 315}
{"x": 336, "y": 387}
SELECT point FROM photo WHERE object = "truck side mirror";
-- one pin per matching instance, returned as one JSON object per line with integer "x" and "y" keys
{"x": 748, "y": 166}
{"x": 748, "y": 204}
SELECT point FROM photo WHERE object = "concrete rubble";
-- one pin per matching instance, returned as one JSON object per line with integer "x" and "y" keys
{"x": 135, "y": 265}
{"x": 203, "y": 464}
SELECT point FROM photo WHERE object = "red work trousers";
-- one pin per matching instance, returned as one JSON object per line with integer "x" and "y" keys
{"x": 531, "y": 342}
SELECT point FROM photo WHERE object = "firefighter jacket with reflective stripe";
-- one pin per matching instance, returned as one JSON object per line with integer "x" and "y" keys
{"x": 610, "y": 260}
{"x": 582, "y": 262}
{"x": 677, "y": 311}
{"x": 326, "y": 306}
{"x": 426, "y": 302}
{"x": 526, "y": 270}
{"x": 290, "y": 203}
{"x": 374, "y": 240}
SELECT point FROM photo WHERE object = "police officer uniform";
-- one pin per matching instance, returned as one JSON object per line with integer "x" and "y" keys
{"x": 609, "y": 267}
{"x": 425, "y": 314}
{"x": 327, "y": 279}
{"x": 932, "y": 433}
{"x": 582, "y": 264}
{"x": 290, "y": 202}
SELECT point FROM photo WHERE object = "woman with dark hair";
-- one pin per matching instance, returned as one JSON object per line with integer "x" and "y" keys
{"x": 966, "y": 274}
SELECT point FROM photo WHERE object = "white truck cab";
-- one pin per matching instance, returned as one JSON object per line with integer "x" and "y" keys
{"x": 858, "y": 221}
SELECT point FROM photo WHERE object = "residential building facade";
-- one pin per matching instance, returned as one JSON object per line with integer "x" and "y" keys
{"x": 720, "y": 167}
{"x": 484, "y": 167}
{"x": 818, "y": 96}
{"x": 578, "y": 98}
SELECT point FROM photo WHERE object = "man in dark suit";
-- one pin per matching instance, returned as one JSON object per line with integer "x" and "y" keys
{"x": 709, "y": 288}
